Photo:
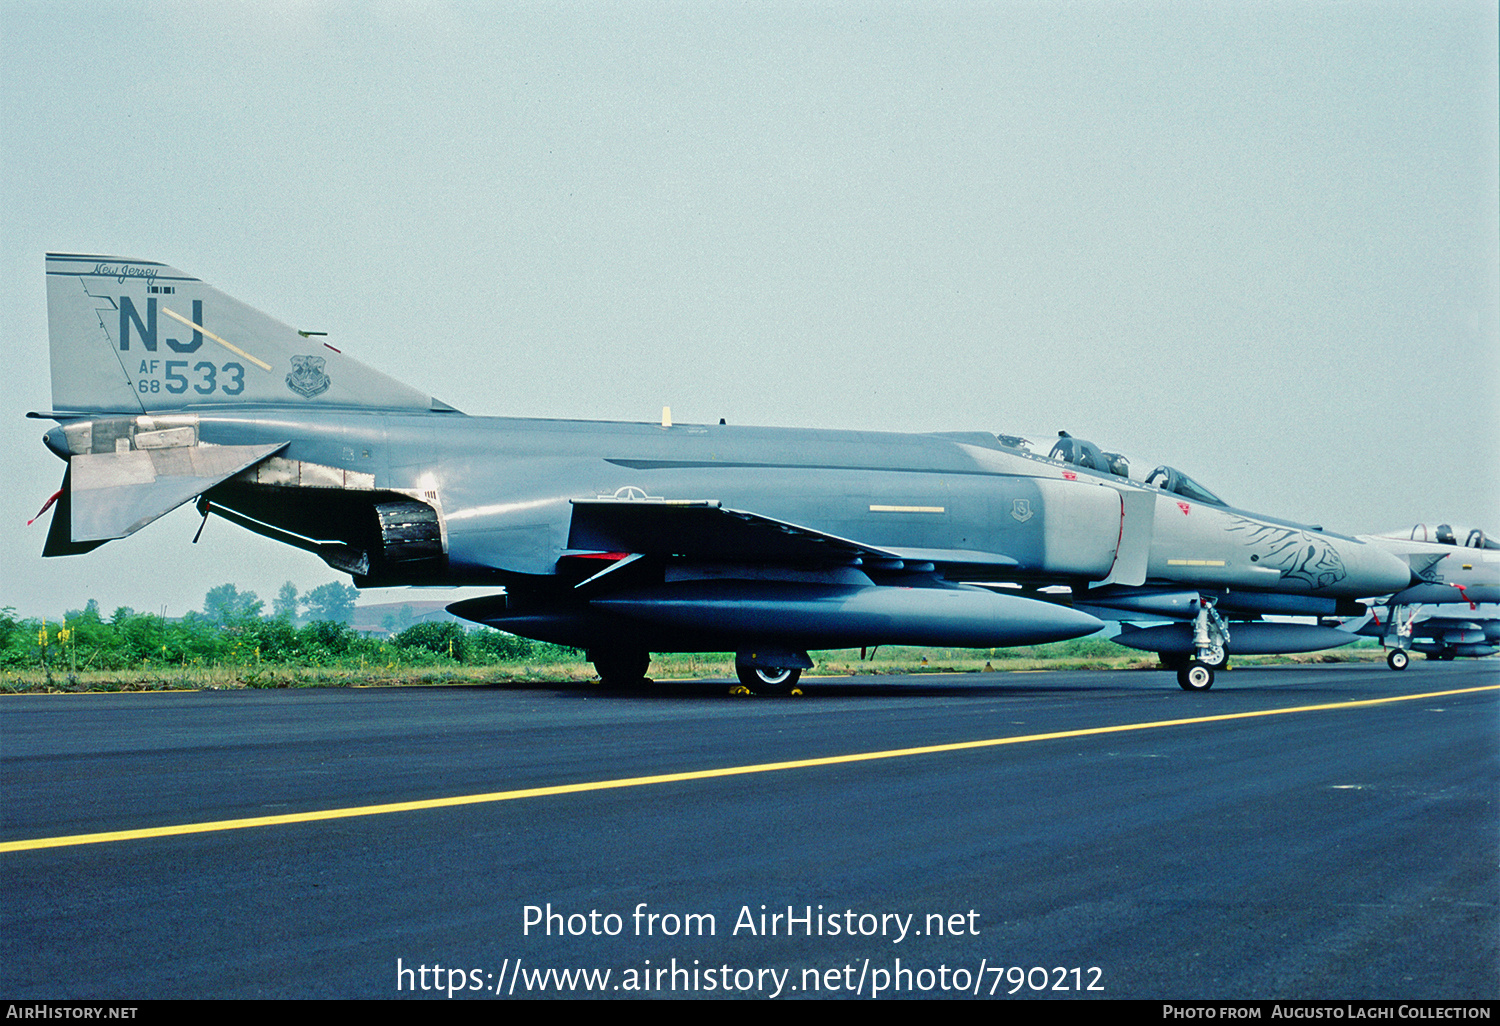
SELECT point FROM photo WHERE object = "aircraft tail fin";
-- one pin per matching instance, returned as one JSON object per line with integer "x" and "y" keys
{"x": 135, "y": 336}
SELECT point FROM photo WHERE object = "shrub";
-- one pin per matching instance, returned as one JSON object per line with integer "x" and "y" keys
{"x": 328, "y": 635}
{"x": 442, "y": 638}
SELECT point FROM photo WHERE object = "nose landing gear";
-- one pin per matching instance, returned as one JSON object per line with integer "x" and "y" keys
{"x": 1210, "y": 648}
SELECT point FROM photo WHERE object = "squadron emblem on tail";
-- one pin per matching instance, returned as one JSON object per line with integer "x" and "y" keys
{"x": 307, "y": 378}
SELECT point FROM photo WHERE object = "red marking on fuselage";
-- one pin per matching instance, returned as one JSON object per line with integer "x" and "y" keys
{"x": 1186, "y": 509}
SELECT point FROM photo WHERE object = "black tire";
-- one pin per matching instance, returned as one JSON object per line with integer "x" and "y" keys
{"x": 1195, "y": 677}
{"x": 766, "y": 680}
{"x": 1397, "y": 659}
{"x": 617, "y": 666}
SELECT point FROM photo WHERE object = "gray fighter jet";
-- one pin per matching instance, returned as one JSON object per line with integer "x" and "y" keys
{"x": 630, "y": 538}
{"x": 1451, "y": 608}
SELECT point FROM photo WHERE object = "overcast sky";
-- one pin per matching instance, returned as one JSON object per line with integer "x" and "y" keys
{"x": 1257, "y": 241}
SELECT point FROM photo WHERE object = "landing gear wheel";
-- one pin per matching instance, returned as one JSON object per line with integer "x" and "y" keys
{"x": 1195, "y": 677}
{"x": 618, "y": 666}
{"x": 766, "y": 680}
{"x": 1397, "y": 659}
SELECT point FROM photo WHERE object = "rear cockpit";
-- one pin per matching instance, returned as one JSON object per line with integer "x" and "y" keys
{"x": 1087, "y": 455}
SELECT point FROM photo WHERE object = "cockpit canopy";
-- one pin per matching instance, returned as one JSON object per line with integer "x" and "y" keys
{"x": 1170, "y": 479}
{"x": 1447, "y": 534}
{"x": 1088, "y": 456}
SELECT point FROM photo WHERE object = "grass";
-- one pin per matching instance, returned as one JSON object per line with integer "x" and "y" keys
{"x": 1086, "y": 654}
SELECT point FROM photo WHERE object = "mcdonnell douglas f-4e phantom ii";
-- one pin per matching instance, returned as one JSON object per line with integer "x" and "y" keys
{"x": 1450, "y": 608}
{"x": 626, "y": 539}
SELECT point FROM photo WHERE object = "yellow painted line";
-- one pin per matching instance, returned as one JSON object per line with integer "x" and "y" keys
{"x": 908, "y": 509}
{"x": 75, "y": 840}
{"x": 263, "y": 365}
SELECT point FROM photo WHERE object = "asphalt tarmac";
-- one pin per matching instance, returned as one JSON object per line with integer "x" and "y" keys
{"x": 1325, "y": 831}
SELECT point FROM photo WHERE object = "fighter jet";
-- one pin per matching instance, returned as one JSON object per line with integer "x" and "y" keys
{"x": 625, "y": 539}
{"x": 1450, "y": 609}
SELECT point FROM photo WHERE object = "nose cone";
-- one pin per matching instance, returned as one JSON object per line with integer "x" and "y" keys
{"x": 1374, "y": 571}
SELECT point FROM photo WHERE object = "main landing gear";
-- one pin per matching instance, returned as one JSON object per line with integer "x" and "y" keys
{"x": 769, "y": 680}
{"x": 620, "y": 667}
{"x": 626, "y": 667}
{"x": 770, "y": 670}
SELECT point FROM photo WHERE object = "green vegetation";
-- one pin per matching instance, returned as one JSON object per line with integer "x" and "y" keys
{"x": 231, "y": 644}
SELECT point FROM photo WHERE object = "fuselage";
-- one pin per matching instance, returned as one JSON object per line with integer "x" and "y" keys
{"x": 504, "y": 489}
